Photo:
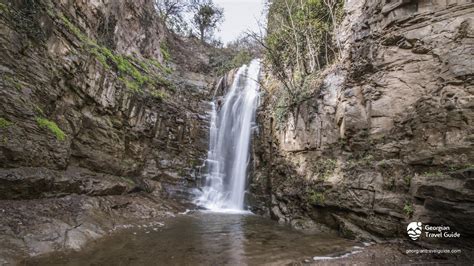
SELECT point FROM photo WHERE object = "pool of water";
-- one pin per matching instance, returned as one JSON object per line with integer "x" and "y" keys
{"x": 204, "y": 238}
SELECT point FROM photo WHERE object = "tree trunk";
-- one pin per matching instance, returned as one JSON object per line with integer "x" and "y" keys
{"x": 201, "y": 33}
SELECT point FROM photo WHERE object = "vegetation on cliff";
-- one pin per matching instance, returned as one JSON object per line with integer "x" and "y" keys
{"x": 135, "y": 73}
{"x": 52, "y": 127}
{"x": 299, "y": 44}
{"x": 4, "y": 123}
{"x": 367, "y": 136}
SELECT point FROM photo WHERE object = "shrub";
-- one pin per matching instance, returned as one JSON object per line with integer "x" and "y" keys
{"x": 407, "y": 180}
{"x": 300, "y": 43}
{"x": 316, "y": 198}
{"x": 324, "y": 168}
{"x": 408, "y": 209}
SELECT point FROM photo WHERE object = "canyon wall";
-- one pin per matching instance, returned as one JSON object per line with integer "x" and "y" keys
{"x": 387, "y": 137}
{"x": 98, "y": 123}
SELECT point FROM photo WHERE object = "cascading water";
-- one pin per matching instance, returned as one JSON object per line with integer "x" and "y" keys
{"x": 230, "y": 133}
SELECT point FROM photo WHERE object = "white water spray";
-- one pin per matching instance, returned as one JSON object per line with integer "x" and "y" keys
{"x": 230, "y": 134}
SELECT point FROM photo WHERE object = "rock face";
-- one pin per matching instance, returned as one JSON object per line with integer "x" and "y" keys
{"x": 388, "y": 137}
{"x": 93, "y": 115}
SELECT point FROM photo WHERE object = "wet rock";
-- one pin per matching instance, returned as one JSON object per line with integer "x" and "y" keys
{"x": 35, "y": 183}
{"x": 36, "y": 227}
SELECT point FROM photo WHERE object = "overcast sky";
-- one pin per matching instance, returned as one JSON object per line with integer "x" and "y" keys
{"x": 240, "y": 16}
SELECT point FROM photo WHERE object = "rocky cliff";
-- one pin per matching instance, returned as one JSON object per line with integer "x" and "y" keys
{"x": 386, "y": 138}
{"x": 100, "y": 123}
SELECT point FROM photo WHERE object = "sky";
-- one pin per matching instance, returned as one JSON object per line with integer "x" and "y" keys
{"x": 240, "y": 16}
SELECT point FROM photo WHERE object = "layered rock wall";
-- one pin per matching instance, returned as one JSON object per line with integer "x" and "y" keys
{"x": 387, "y": 138}
{"x": 94, "y": 115}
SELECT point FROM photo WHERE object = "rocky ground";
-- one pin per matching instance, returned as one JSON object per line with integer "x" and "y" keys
{"x": 36, "y": 227}
{"x": 43, "y": 211}
{"x": 393, "y": 254}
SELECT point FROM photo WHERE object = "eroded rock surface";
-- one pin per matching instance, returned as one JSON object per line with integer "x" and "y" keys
{"x": 98, "y": 125}
{"x": 388, "y": 137}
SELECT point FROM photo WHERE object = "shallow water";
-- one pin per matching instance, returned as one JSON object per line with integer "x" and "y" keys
{"x": 205, "y": 239}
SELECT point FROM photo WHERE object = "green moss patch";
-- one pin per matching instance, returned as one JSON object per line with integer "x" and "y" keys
{"x": 3, "y": 8}
{"x": 158, "y": 65}
{"x": 130, "y": 84}
{"x": 133, "y": 72}
{"x": 434, "y": 174}
{"x": 4, "y": 123}
{"x": 13, "y": 82}
{"x": 52, "y": 127}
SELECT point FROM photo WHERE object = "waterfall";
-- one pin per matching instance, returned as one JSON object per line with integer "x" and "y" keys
{"x": 229, "y": 142}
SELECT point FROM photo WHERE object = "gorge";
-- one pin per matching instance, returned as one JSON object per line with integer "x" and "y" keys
{"x": 122, "y": 141}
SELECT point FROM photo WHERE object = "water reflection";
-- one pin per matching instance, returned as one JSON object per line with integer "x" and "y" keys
{"x": 205, "y": 239}
{"x": 225, "y": 236}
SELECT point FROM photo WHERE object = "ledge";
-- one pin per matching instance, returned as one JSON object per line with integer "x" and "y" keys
{"x": 394, "y": 5}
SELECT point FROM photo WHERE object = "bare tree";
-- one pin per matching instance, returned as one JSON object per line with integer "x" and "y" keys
{"x": 172, "y": 12}
{"x": 332, "y": 5}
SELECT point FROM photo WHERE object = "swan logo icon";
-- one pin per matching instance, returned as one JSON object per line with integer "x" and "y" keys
{"x": 414, "y": 230}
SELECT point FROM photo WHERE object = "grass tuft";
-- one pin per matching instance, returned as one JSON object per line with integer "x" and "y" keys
{"x": 408, "y": 209}
{"x": 165, "y": 51}
{"x": 159, "y": 94}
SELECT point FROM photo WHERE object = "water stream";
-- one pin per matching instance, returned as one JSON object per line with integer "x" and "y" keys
{"x": 230, "y": 134}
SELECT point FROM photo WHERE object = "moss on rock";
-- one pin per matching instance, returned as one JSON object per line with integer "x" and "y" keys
{"x": 4, "y": 123}
{"x": 52, "y": 127}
